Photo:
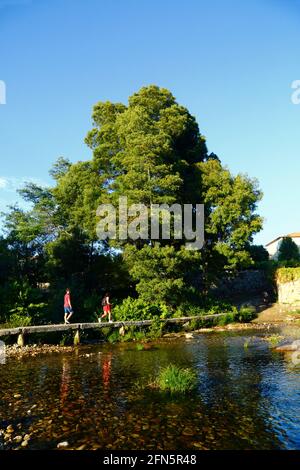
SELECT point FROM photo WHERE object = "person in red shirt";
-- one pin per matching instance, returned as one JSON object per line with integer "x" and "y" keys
{"x": 67, "y": 306}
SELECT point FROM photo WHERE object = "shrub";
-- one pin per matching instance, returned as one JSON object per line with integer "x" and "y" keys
{"x": 137, "y": 309}
{"x": 176, "y": 380}
{"x": 188, "y": 310}
{"x": 206, "y": 306}
{"x": 245, "y": 314}
{"x": 114, "y": 336}
{"x": 227, "y": 318}
{"x": 284, "y": 275}
{"x": 156, "y": 329}
{"x": 18, "y": 318}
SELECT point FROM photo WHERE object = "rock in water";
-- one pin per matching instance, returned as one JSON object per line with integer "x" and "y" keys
{"x": 189, "y": 335}
{"x": 63, "y": 444}
{"x": 294, "y": 346}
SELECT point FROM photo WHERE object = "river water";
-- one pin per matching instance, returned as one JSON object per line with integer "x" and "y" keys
{"x": 247, "y": 397}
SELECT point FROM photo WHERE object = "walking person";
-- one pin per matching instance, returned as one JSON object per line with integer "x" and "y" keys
{"x": 68, "y": 306}
{"x": 106, "y": 305}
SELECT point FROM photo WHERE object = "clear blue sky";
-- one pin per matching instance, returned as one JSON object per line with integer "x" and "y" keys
{"x": 230, "y": 62}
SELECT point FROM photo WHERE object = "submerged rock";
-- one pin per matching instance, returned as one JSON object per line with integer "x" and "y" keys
{"x": 189, "y": 335}
{"x": 294, "y": 346}
{"x": 62, "y": 445}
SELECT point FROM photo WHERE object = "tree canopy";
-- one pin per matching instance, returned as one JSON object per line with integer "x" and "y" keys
{"x": 288, "y": 250}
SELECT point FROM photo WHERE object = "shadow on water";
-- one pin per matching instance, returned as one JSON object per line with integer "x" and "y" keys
{"x": 247, "y": 397}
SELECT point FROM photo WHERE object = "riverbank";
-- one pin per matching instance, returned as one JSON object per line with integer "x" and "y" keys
{"x": 35, "y": 349}
{"x": 278, "y": 313}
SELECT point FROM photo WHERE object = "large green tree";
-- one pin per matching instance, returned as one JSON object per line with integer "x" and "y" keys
{"x": 288, "y": 250}
{"x": 152, "y": 151}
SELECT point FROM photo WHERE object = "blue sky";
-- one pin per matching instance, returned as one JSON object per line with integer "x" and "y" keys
{"x": 231, "y": 63}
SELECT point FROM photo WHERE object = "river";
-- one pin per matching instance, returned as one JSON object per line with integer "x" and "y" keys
{"x": 96, "y": 397}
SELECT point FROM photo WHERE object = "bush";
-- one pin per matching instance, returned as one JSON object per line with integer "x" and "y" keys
{"x": 19, "y": 319}
{"x": 188, "y": 310}
{"x": 114, "y": 336}
{"x": 245, "y": 314}
{"x": 207, "y": 306}
{"x": 137, "y": 309}
{"x": 227, "y": 318}
{"x": 156, "y": 329}
{"x": 176, "y": 380}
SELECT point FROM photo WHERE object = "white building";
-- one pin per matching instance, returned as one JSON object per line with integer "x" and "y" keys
{"x": 273, "y": 246}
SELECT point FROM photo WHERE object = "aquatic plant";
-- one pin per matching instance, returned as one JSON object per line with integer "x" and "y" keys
{"x": 176, "y": 380}
{"x": 273, "y": 339}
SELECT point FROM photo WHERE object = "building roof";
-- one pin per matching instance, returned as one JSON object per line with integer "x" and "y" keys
{"x": 291, "y": 235}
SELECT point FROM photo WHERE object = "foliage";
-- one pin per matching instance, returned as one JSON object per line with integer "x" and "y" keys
{"x": 245, "y": 314}
{"x": 161, "y": 272}
{"x": 206, "y": 306}
{"x": 274, "y": 340}
{"x": 114, "y": 337}
{"x": 176, "y": 380}
{"x": 66, "y": 339}
{"x": 259, "y": 255}
{"x": 284, "y": 275}
{"x": 227, "y": 318}
{"x": 288, "y": 251}
{"x": 137, "y": 309}
{"x": 230, "y": 220}
{"x": 156, "y": 329}
{"x": 18, "y": 318}
{"x": 26, "y": 305}
{"x": 152, "y": 151}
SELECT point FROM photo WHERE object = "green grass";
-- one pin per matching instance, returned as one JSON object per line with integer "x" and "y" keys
{"x": 176, "y": 380}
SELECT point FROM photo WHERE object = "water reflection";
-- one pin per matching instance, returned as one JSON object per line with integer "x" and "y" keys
{"x": 106, "y": 371}
{"x": 65, "y": 380}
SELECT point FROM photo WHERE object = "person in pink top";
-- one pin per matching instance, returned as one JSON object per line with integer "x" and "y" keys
{"x": 67, "y": 306}
{"x": 106, "y": 305}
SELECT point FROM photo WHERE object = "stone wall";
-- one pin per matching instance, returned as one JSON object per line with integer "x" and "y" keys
{"x": 289, "y": 292}
{"x": 245, "y": 283}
